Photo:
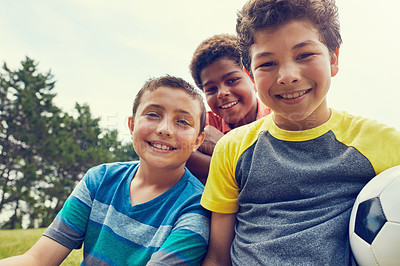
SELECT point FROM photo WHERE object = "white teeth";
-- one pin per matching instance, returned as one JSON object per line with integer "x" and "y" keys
{"x": 163, "y": 147}
{"x": 229, "y": 105}
{"x": 294, "y": 95}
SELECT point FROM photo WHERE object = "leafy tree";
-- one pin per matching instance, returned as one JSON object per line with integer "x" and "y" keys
{"x": 44, "y": 151}
{"x": 26, "y": 103}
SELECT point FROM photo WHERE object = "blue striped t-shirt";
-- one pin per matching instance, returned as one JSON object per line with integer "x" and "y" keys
{"x": 172, "y": 228}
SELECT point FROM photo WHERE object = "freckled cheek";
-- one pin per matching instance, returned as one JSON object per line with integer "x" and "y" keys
{"x": 319, "y": 71}
{"x": 263, "y": 79}
{"x": 145, "y": 129}
{"x": 263, "y": 86}
{"x": 185, "y": 138}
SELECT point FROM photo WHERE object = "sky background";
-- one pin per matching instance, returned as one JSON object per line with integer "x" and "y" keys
{"x": 101, "y": 52}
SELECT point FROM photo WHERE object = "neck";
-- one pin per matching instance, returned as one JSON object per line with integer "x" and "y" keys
{"x": 159, "y": 177}
{"x": 148, "y": 184}
{"x": 313, "y": 120}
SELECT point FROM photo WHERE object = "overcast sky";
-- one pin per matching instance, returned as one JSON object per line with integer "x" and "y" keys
{"x": 101, "y": 52}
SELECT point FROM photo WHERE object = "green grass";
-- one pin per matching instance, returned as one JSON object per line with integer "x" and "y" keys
{"x": 16, "y": 242}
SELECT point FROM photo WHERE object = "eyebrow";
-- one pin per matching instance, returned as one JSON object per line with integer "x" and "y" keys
{"x": 178, "y": 110}
{"x": 297, "y": 46}
{"x": 305, "y": 43}
{"x": 223, "y": 77}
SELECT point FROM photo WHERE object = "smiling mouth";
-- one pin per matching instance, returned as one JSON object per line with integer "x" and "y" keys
{"x": 161, "y": 146}
{"x": 293, "y": 95}
{"x": 228, "y": 105}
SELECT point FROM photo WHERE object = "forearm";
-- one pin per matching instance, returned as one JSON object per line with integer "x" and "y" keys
{"x": 210, "y": 261}
{"x": 221, "y": 237}
{"x": 45, "y": 252}
{"x": 21, "y": 260}
{"x": 199, "y": 164}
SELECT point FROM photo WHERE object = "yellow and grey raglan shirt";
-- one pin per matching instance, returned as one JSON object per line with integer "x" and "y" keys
{"x": 293, "y": 191}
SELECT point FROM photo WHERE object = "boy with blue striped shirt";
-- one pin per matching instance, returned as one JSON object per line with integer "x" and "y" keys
{"x": 138, "y": 213}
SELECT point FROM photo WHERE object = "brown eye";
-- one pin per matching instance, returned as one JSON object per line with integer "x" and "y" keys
{"x": 210, "y": 90}
{"x": 232, "y": 81}
{"x": 268, "y": 64}
{"x": 183, "y": 122}
{"x": 304, "y": 56}
{"x": 152, "y": 115}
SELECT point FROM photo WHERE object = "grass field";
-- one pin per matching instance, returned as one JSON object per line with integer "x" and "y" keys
{"x": 16, "y": 242}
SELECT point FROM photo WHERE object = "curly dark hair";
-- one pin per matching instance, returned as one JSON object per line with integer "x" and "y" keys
{"x": 212, "y": 49}
{"x": 172, "y": 82}
{"x": 260, "y": 14}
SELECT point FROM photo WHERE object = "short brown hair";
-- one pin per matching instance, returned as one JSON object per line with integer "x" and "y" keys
{"x": 260, "y": 14}
{"x": 212, "y": 49}
{"x": 172, "y": 82}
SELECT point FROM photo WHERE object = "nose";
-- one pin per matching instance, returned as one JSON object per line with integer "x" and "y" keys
{"x": 164, "y": 128}
{"x": 223, "y": 91}
{"x": 288, "y": 74}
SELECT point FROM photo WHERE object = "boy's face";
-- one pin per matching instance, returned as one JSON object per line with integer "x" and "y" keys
{"x": 165, "y": 128}
{"x": 292, "y": 70}
{"x": 229, "y": 91}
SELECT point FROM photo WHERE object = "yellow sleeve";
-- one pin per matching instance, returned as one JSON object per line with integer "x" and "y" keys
{"x": 221, "y": 190}
{"x": 376, "y": 141}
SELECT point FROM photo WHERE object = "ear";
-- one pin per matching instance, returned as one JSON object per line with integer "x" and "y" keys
{"x": 335, "y": 63}
{"x": 199, "y": 141}
{"x": 130, "y": 123}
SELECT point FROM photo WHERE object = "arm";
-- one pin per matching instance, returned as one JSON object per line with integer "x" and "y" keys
{"x": 221, "y": 237}
{"x": 199, "y": 164}
{"x": 199, "y": 161}
{"x": 213, "y": 135}
{"x": 45, "y": 252}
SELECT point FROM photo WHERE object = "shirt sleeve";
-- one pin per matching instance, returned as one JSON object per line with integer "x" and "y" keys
{"x": 376, "y": 141}
{"x": 221, "y": 190}
{"x": 68, "y": 228}
{"x": 187, "y": 243}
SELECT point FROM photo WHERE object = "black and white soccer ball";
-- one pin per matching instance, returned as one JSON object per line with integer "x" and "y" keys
{"x": 374, "y": 228}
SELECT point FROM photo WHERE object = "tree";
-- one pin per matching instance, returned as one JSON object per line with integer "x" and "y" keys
{"x": 44, "y": 151}
{"x": 26, "y": 104}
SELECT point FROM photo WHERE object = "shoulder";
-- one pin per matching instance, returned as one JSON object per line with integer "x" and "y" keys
{"x": 217, "y": 122}
{"x": 379, "y": 142}
{"x": 186, "y": 195}
{"x": 232, "y": 145}
{"x": 352, "y": 127}
{"x": 245, "y": 133}
{"x": 192, "y": 184}
{"x": 108, "y": 173}
{"x": 213, "y": 119}
{"x": 112, "y": 168}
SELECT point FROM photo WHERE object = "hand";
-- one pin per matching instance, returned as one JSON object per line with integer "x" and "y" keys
{"x": 212, "y": 137}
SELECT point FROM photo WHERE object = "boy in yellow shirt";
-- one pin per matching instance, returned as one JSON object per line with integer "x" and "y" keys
{"x": 282, "y": 188}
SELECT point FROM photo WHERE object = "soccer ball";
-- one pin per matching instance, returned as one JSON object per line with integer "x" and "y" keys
{"x": 374, "y": 228}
